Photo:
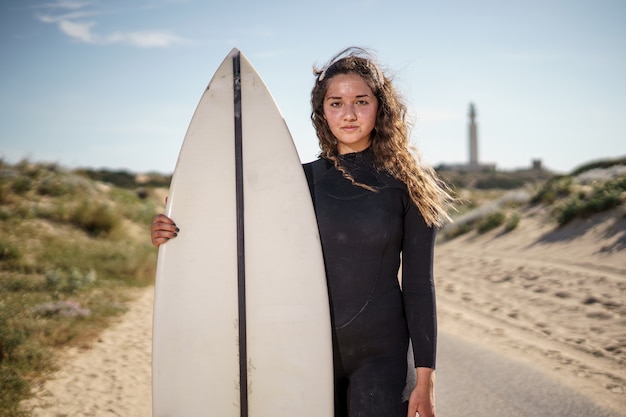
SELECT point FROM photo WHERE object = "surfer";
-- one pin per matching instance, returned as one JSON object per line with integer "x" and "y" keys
{"x": 375, "y": 204}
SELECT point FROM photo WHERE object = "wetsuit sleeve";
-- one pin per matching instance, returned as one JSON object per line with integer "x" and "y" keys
{"x": 418, "y": 288}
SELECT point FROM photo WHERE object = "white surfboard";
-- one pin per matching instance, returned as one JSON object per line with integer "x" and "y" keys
{"x": 241, "y": 313}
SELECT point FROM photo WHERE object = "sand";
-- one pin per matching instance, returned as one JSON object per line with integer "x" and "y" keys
{"x": 555, "y": 298}
{"x": 552, "y": 297}
{"x": 110, "y": 378}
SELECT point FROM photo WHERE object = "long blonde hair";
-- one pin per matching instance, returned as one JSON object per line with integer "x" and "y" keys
{"x": 391, "y": 148}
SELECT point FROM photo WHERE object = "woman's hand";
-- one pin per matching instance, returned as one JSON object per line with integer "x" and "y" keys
{"x": 162, "y": 229}
{"x": 422, "y": 399}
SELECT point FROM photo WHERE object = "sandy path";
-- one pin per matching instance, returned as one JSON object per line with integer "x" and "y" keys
{"x": 112, "y": 378}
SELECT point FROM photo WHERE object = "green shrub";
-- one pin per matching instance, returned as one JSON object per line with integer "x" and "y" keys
{"x": 5, "y": 192}
{"x": 69, "y": 282}
{"x": 133, "y": 207}
{"x": 457, "y": 230}
{"x": 53, "y": 186}
{"x": 22, "y": 185}
{"x": 512, "y": 222}
{"x": 120, "y": 178}
{"x": 11, "y": 281}
{"x": 125, "y": 179}
{"x": 490, "y": 222}
{"x": 607, "y": 163}
{"x": 13, "y": 383}
{"x": 13, "y": 387}
{"x": 553, "y": 189}
{"x": 96, "y": 218}
{"x": 8, "y": 251}
{"x": 601, "y": 198}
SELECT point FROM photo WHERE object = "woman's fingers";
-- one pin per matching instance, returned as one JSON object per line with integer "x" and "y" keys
{"x": 162, "y": 229}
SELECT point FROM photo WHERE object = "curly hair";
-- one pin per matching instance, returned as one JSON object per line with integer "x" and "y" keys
{"x": 390, "y": 144}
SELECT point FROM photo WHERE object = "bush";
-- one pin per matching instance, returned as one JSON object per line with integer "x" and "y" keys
{"x": 490, "y": 222}
{"x": 457, "y": 230}
{"x": 5, "y": 193}
{"x": 22, "y": 185}
{"x": 8, "y": 251}
{"x": 68, "y": 282}
{"x": 601, "y": 198}
{"x": 53, "y": 186}
{"x": 95, "y": 218}
{"x": 120, "y": 178}
{"x": 599, "y": 164}
{"x": 133, "y": 207}
{"x": 553, "y": 189}
{"x": 13, "y": 383}
{"x": 13, "y": 387}
{"x": 512, "y": 222}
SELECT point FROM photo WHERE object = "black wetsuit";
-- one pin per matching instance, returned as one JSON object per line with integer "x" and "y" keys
{"x": 363, "y": 235}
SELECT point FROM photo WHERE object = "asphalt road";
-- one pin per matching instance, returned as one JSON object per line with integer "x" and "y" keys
{"x": 474, "y": 381}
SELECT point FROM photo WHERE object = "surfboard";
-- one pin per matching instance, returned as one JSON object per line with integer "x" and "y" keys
{"x": 241, "y": 322}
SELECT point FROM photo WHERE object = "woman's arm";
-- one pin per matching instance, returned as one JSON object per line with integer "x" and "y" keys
{"x": 422, "y": 399}
{"x": 420, "y": 307}
{"x": 418, "y": 288}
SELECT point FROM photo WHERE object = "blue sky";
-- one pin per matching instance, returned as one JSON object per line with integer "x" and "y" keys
{"x": 114, "y": 83}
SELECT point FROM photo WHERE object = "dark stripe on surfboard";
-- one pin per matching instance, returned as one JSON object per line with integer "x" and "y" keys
{"x": 241, "y": 264}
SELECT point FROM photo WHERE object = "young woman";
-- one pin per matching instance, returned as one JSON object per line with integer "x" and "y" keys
{"x": 377, "y": 208}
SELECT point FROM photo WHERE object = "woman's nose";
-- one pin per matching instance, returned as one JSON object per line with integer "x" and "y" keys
{"x": 350, "y": 113}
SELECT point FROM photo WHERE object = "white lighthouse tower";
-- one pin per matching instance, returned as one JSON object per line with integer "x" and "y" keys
{"x": 473, "y": 138}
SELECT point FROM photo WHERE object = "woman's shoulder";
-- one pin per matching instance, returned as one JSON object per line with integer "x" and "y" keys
{"x": 318, "y": 163}
{"x": 317, "y": 168}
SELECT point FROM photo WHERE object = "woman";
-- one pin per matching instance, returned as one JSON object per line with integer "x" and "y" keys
{"x": 374, "y": 204}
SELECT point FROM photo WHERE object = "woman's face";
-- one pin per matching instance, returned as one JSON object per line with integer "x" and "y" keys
{"x": 350, "y": 109}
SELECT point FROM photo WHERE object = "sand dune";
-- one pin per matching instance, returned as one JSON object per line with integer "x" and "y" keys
{"x": 555, "y": 298}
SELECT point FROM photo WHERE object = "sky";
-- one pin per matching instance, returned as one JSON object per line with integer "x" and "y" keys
{"x": 113, "y": 84}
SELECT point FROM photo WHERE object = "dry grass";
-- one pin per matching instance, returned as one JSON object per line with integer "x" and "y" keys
{"x": 71, "y": 251}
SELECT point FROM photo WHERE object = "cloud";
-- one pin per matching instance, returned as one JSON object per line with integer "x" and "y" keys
{"x": 64, "y": 4}
{"x": 78, "y": 31}
{"x": 148, "y": 39}
{"x": 75, "y": 25}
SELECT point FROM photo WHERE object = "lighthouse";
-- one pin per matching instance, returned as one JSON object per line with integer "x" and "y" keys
{"x": 473, "y": 164}
{"x": 473, "y": 138}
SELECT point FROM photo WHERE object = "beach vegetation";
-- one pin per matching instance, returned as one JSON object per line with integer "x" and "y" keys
{"x": 73, "y": 251}
{"x": 599, "y": 197}
{"x": 492, "y": 179}
{"x": 554, "y": 189}
{"x": 593, "y": 188}
{"x": 599, "y": 164}
{"x": 512, "y": 222}
{"x": 454, "y": 230}
{"x": 490, "y": 222}
{"x": 485, "y": 211}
